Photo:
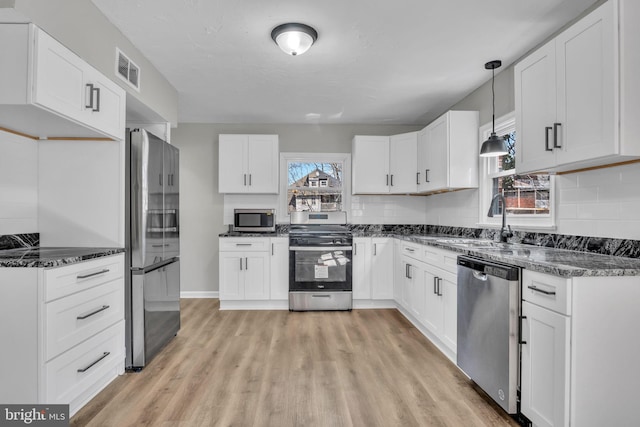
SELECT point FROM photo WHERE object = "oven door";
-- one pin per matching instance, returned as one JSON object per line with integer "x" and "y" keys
{"x": 320, "y": 268}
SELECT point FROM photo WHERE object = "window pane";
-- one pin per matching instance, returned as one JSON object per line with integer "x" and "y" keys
{"x": 524, "y": 194}
{"x": 315, "y": 187}
{"x": 508, "y": 161}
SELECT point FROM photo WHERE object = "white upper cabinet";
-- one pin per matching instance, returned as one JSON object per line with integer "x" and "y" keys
{"x": 370, "y": 164}
{"x": 576, "y": 101}
{"x": 48, "y": 91}
{"x": 448, "y": 153}
{"x": 383, "y": 164}
{"x": 403, "y": 163}
{"x": 248, "y": 164}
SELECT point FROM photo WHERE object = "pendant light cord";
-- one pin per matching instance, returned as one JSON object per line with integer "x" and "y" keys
{"x": 493, "y": 98}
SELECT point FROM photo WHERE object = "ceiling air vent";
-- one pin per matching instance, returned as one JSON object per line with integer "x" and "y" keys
{"x": 127, "y": 70}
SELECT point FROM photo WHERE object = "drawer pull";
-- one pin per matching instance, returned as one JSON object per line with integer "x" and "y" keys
{"x": 96, "y": 311}
{"x": 542, "y": 291}
{"x": 85, "y": 369}
{"x": 243, "y": 244}
{"x": 410, "y": 250}
{"x": 85, "y": 276}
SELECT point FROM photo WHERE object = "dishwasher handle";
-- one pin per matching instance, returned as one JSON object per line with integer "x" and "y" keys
{"x": 480, "y": 276}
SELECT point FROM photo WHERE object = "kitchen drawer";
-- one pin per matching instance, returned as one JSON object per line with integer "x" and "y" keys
{"x": 245, "y": 244}
{"x": 547, "y": 291}
{"x": 441, "y": 258}
{"x": 100, "y": 359}
{"x": 412, "y": 250}
{"x": 61, "y": 281}
{"x": 73, "y": 319}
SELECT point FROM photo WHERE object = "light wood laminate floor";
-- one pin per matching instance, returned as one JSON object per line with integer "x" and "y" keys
{"x": 276, "y": 368}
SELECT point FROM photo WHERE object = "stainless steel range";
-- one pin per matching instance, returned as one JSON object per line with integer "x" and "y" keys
{"x": 320, "y": 261}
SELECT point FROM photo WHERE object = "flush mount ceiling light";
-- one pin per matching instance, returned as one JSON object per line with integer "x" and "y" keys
{"x": 293, "y": 38}
{"x": 494, "y": 146}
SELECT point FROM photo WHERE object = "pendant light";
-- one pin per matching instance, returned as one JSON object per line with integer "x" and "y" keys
{"x": 293, "y": 38}
{"x": 494, "y": 146}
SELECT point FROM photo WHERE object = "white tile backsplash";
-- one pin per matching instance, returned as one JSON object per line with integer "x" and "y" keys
{"x": 602, "y": 202}
{"x": 18, "y": 184}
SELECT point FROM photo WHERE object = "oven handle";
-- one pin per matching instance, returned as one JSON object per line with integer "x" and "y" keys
{"x": 320, "y": 248}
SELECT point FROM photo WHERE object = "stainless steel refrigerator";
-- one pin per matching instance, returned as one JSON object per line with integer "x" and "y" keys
{"x": 152, "y": 294}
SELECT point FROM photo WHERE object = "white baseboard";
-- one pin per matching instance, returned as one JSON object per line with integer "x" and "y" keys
{"x": 255, "y": 305}
{"x": 199, "y": 294}
{"x": 373, "y": 303}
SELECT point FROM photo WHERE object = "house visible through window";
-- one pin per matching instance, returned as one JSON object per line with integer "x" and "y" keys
{"x": 314, "y": 186}
{"x": 528, "y": 197}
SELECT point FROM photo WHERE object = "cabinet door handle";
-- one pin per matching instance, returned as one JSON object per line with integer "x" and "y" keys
{"x": 86, "y": 368}
{"x": 546, "y": 138}
{"x": 392, "y": 180}
{"x": 96, "y": 311}
{"x": 88, "y": 95}
{"x": 435, "y": 285}
{"x": 245, "y": 179}
{"x": 160, "y": 179}
{"x": 249, "y": 179}
{"x": 97, "y": 107}
{"x": 555, "y": 135}
{"x": 418, "y": 178}
{"x": 409, "y": 271}
{"x": 272, "y": 249}
{"x": 240, "y": 264}
{"x": 406, "y": 271}
{"x": 375, "y": 249}
{"x": 520, "y": 340}
{"x": 246, "y": 263}
{"x": 387, "y": 179}
{"x": 85, "y": 276}
{"x": 542, "y": 291}
{"x": 426, "y": 175}
{"x": 439, "y": 286}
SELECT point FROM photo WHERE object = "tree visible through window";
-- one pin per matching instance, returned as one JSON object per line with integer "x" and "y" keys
{"x": 527, "y": 194}
{"x": 315, "y": 187}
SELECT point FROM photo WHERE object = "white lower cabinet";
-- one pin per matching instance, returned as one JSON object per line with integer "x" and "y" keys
{"x": 66, "y": 329}
{"x": 545, "y": 366}
{"x": 373, "y": 271}
{"x": 279, "y": 268}
{"x": 428, "y": 291}
{"x": 254, "y": 272}
{"x": 361, "y": 268}
{"x": 576, "y": 347}
{"x": 381, "y": 268}
{"x": 244, "y": 269}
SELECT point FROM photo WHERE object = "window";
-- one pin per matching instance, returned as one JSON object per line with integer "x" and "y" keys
{"x": 528, "y": 197}
{"x": 314, "y": 182}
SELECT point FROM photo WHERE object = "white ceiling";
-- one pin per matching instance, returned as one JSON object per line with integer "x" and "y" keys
{"x": 375, "y": 61}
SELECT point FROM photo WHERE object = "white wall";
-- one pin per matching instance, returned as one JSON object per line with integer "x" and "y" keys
{"x": 18, "y": 184}
{"x": 202, "y": 207}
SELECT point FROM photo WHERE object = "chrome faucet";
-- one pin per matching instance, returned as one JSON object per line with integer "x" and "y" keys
{"x": 505, "y": 231}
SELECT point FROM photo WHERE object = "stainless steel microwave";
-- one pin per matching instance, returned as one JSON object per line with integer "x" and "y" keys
{"x": 254, "y": 220}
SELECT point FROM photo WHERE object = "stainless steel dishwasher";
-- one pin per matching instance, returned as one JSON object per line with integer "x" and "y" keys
{"x": 488, "y": 327}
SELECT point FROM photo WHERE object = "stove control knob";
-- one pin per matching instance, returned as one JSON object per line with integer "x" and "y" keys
{"x": 337, "y": 241}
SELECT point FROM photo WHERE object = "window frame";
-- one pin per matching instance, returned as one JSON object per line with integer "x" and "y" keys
{"x": 504, "y": 124}
{"x": 285, "y": 158}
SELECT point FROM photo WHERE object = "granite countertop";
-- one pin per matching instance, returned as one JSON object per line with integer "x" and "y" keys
{"x": 549, "y": 260}
{"x": 558, "y": 262}
{"x": 243, "y": 234}
{"x": 51, "y": 256}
